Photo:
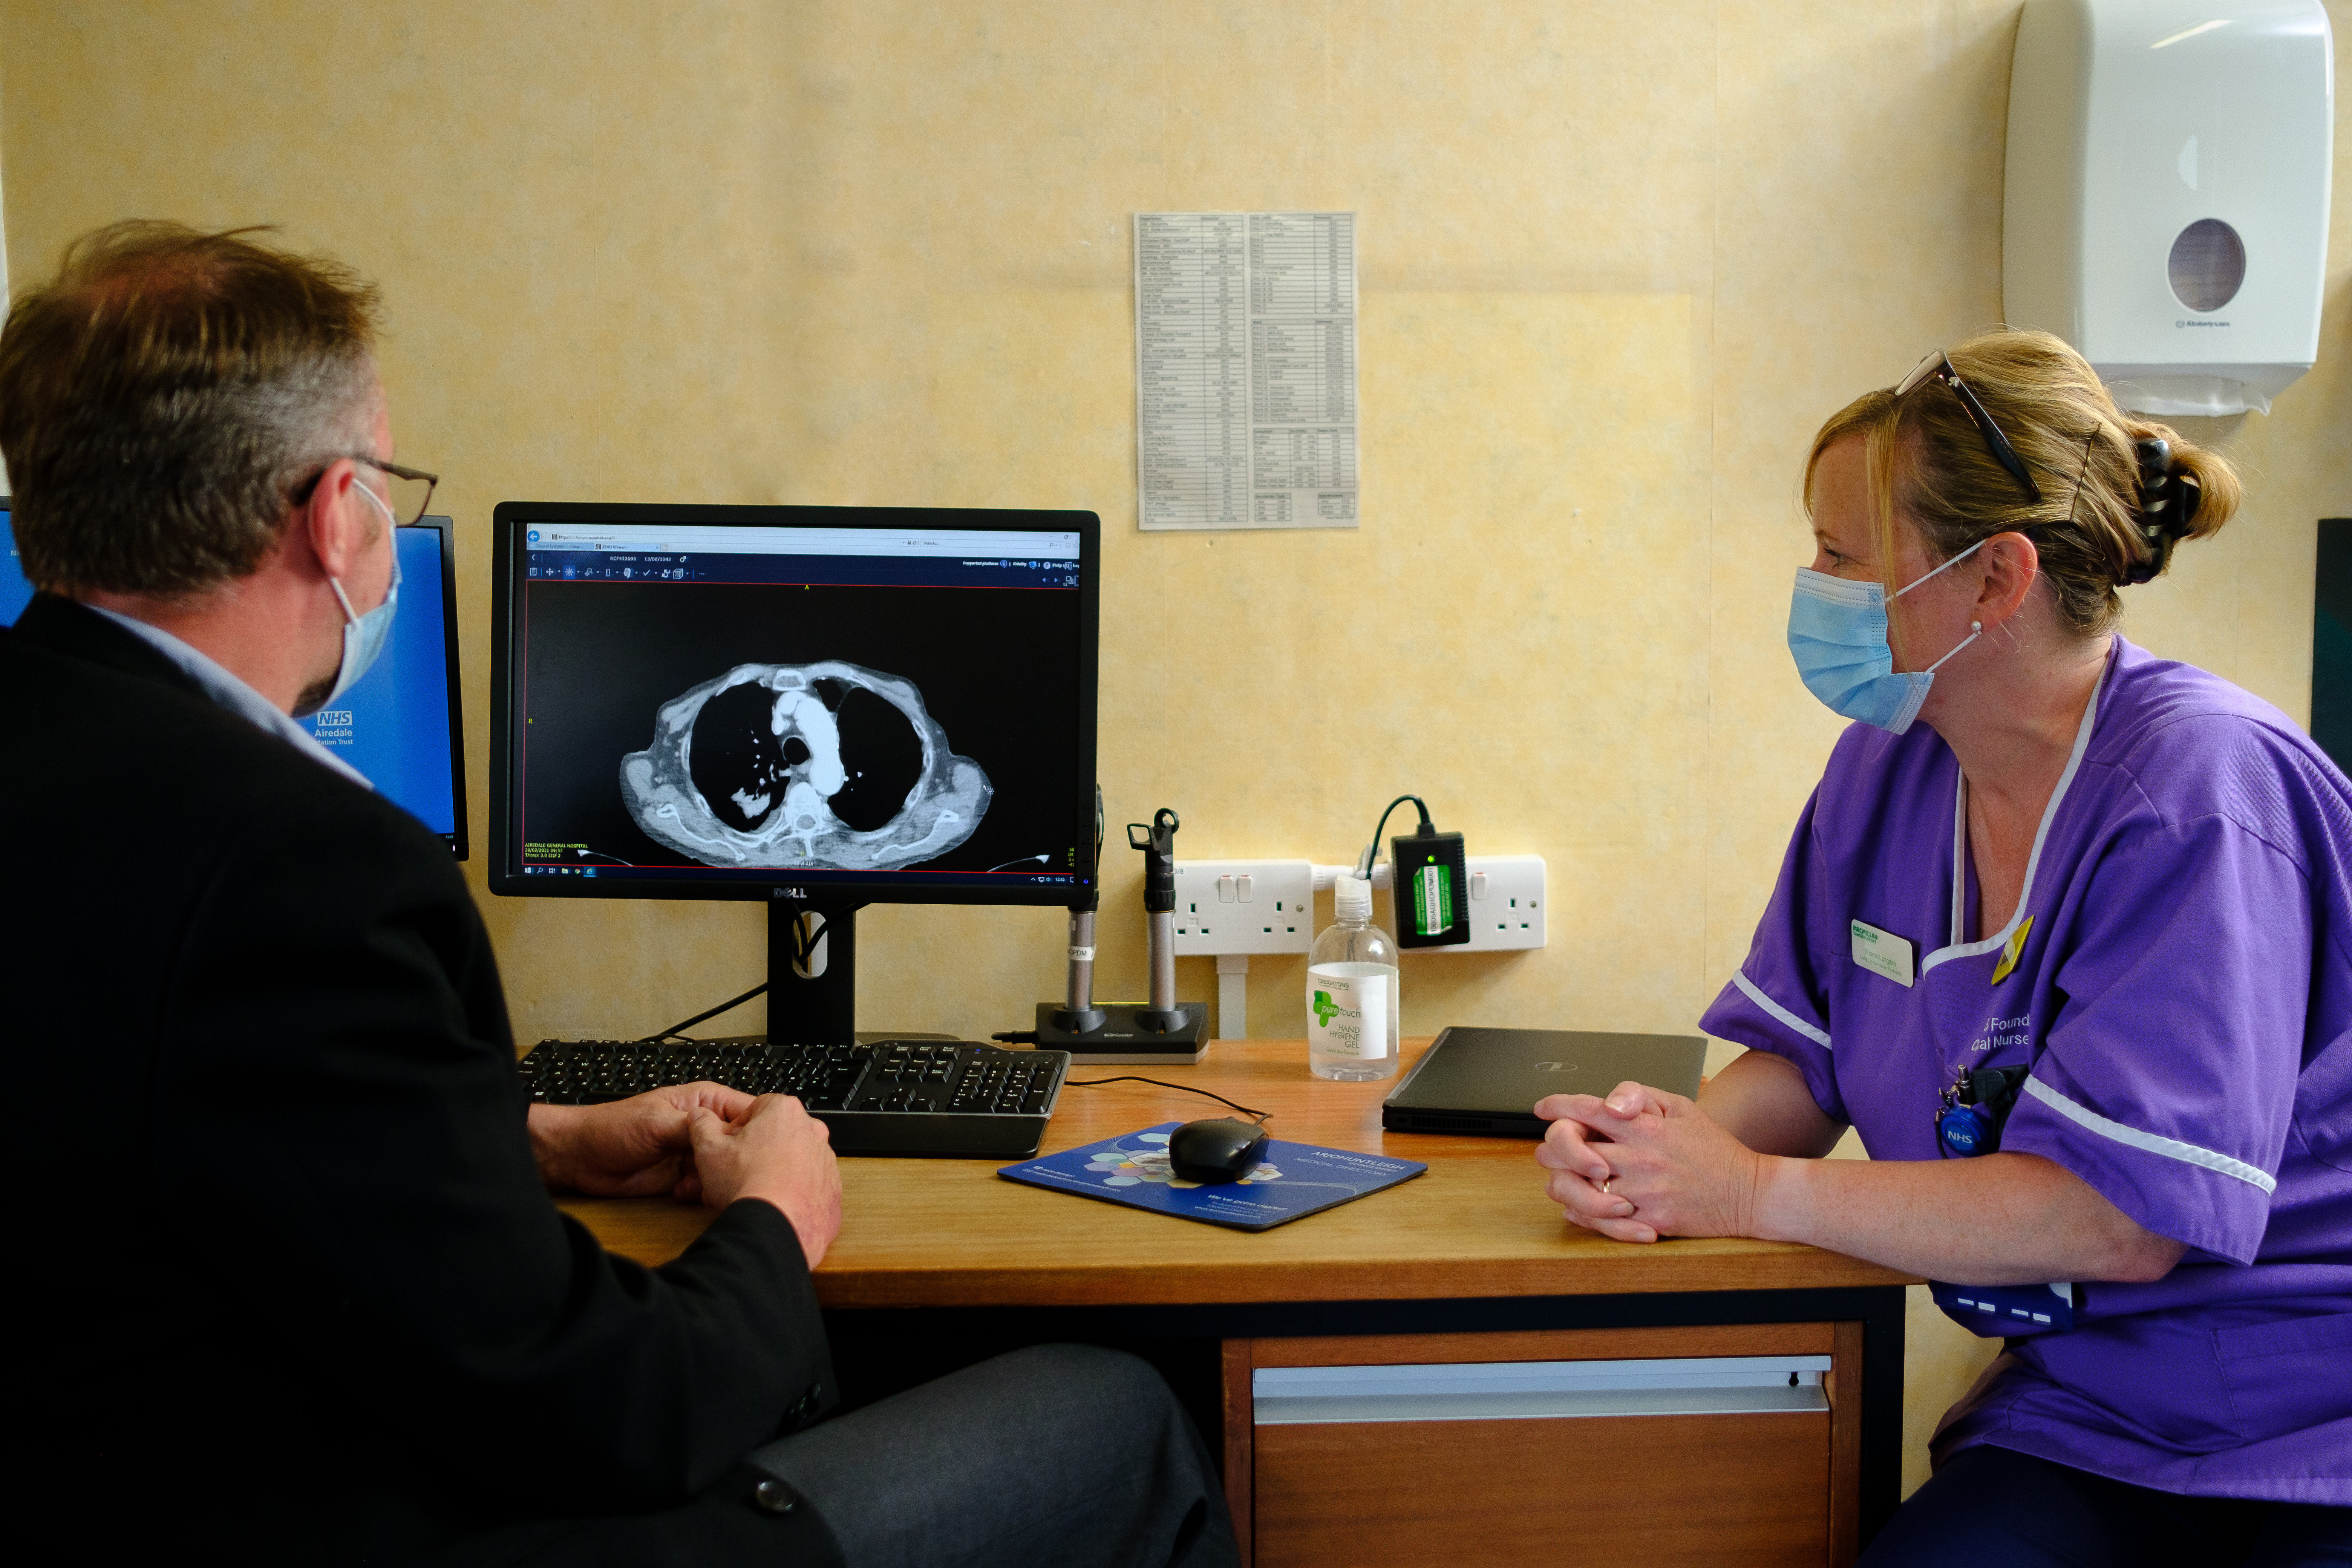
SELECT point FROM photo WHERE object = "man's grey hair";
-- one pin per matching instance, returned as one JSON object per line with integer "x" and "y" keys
{"x": 170, "y": 397}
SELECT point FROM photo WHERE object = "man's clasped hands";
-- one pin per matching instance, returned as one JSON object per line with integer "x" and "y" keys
{"x": 698, "y": 1140}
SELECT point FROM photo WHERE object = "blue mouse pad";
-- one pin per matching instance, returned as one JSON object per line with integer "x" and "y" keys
{"x": 1295, "y": 1180}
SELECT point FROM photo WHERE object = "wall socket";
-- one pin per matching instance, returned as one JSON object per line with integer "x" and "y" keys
{"x": 1245, "y": 906}
{"x": 1268, "y": 906}
{"x": 1506, "y": 904}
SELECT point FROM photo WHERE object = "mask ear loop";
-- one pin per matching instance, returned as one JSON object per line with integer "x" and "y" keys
{"x": 1947, "y": 566}
{"x": 1976, "y": 628}
{"x": 336, "y": 583}
{"x": 2074, "y": 506}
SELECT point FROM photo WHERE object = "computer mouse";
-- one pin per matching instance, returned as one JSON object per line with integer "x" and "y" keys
{"x": 1219, "y": 1150}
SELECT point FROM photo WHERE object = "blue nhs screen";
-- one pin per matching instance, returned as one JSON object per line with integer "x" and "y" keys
{"x": 393, "y": 726}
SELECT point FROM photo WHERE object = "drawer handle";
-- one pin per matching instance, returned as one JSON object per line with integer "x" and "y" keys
{"x": 1539, "y": 1390}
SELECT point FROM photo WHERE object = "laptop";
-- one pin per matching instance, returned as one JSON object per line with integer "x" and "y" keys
{"x": 1487, "y": 1082}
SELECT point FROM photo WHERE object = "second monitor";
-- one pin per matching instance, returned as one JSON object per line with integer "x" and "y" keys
{"x": 400, "y": 726}
{"x": 817, "y": 707}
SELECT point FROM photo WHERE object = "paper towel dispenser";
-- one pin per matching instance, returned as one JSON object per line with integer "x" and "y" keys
{"x": 2166, "y": 203}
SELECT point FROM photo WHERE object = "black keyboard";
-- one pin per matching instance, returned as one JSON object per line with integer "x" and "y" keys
{"x": 951, "y": 1098}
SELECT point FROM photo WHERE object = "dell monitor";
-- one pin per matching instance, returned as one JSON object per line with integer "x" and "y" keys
{"x": 400, "y": 724}
{"x": 813, "y": 708}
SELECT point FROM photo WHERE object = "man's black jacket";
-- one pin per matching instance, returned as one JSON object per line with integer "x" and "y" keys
{"x": 288, "y": 1285}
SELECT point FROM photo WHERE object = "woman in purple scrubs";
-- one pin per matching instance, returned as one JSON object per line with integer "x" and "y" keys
{"x": 2065, "y": 933}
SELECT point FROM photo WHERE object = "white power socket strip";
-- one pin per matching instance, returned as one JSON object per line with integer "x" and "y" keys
{"x": 1244, "y": 907}
{"x": 1229, "y": 907}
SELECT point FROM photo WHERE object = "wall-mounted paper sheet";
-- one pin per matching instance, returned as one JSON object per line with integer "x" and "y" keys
{"x": 1245, "y": 370}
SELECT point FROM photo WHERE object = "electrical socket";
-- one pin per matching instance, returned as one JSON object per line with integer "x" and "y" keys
{"x": 1506, "y": 904}
{"x": 1245, "y": 906}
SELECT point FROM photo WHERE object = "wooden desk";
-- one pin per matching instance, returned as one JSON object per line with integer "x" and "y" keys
{"x": 1468, "y": 1262}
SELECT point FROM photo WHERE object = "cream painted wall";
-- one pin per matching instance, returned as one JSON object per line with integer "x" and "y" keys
{"x": 1617, "y": 263}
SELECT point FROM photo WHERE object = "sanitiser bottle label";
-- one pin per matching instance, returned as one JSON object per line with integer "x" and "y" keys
{"x": 1348, "y": 1010}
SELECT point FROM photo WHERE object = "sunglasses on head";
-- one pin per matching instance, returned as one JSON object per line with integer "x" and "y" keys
{"x": 1938, "y": 366}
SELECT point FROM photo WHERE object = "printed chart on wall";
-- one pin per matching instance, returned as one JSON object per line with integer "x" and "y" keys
{"x": 1245, "y": 370}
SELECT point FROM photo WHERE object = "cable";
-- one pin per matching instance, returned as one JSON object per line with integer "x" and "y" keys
{"x": 1371, "y": 850}
{"x": 1263, "y": 1116}
{"x": 804, "y": 944}
{"x": 678, "y": 1030}
{"x": 804, "y": 940}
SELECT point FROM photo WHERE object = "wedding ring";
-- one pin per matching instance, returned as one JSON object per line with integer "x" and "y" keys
{"x": 1604, "y": 1185}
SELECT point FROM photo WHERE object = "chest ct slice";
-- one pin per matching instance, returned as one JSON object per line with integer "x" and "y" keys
{"x": 828, "y": 764}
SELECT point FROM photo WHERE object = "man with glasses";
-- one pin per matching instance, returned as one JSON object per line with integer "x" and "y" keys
{"x": 295, "y": 1289}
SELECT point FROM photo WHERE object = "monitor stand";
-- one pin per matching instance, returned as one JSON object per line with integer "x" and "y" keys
{"x": 823, "y": 1010}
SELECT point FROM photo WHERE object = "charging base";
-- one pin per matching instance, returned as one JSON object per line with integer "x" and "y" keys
{"x": 1123, "y": 1039}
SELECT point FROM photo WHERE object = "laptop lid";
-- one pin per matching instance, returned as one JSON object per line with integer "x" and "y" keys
{"x": 1487, "y": 1081}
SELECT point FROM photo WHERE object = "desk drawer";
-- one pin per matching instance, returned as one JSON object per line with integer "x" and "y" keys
{"x": 1744, "y": 1491}
{"x": 1468, "y": 1449}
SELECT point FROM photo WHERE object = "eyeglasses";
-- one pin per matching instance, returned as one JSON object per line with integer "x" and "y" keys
{"x": 1938, "y": 366}
{"x": 411, "y": 488}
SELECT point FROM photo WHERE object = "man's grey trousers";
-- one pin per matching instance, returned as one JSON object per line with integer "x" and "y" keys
{"x": 1057, "y": 1455}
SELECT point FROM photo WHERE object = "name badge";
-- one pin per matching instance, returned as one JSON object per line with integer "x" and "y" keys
{"x": 1882, "y": 952}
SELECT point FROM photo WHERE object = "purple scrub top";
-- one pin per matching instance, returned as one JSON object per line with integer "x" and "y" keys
{"x": 2179, "y": 978}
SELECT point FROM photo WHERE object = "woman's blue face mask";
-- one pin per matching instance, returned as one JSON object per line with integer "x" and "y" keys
{"x": 1837, "y": 634}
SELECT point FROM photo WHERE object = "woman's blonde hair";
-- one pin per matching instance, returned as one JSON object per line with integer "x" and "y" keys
{"x": 1929, "y": 463}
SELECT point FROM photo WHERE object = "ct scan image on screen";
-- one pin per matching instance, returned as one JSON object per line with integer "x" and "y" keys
{"x": 711, "y": 721}
{"x": 826, "y": 765}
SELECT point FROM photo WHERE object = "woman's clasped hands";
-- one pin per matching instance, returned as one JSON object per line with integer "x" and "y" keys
{"x": 1642, "y": 1163}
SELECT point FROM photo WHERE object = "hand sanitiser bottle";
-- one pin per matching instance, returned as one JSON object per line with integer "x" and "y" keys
{"x": 1352, "y": 991}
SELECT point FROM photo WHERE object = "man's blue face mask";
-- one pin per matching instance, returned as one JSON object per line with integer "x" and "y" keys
{"x": 365, "y": 635}
{"x": 1837, "y": 634}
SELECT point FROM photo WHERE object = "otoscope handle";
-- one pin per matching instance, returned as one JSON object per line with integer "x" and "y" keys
{"x": 1081, "y": 996}
{"x": 1157, "y": 843}
{"x": 1163, "y": 968}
